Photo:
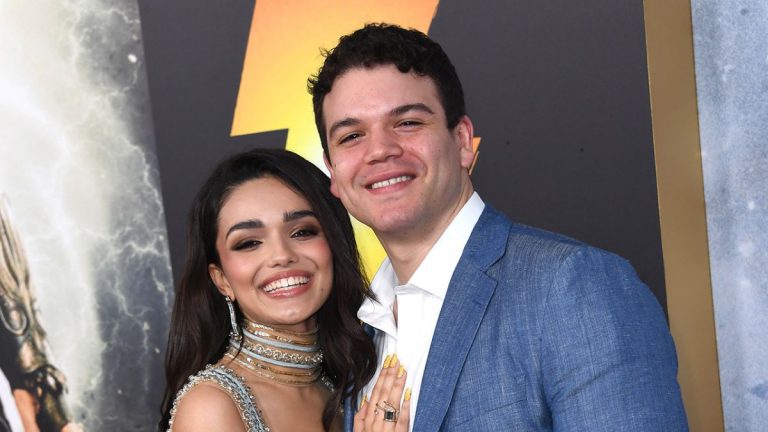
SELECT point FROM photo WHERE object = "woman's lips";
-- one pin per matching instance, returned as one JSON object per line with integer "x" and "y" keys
{"x": 285, "y": 283}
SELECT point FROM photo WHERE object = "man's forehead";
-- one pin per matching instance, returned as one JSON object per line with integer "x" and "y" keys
{"x": 370, "y": 81}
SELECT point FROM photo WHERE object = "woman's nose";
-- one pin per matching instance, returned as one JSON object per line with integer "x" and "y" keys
{"x": 282, "y": 253}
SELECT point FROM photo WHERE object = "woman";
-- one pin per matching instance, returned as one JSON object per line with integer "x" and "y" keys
{"x": 264, "y": 330}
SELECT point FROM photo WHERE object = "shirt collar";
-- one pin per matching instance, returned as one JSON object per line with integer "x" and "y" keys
{"x": 378, "y": 313}
{"x": 432, "y": 275}
{"x": 435, "y": 271}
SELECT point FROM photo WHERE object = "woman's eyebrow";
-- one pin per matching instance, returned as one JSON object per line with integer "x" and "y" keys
{"x": 298, "y": 214}
{"x": 249, "y": 224}
{"x": 256, "y": 223}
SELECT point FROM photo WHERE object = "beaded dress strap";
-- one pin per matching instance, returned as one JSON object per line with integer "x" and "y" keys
{"x": 235, "y": 387}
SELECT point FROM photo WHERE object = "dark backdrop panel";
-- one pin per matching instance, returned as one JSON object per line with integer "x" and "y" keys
{"x": 557, "y": 90}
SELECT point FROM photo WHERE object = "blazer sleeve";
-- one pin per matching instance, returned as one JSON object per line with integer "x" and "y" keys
{"x": 608, "y": 359}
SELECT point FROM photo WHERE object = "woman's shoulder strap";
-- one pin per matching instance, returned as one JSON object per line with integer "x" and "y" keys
{"x": 235, "y": 386}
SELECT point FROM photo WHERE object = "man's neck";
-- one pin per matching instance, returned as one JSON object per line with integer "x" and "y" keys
{"x": 407, "y": 250}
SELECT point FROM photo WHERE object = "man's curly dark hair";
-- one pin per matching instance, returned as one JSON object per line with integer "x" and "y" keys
{"x": 381, "y": 44}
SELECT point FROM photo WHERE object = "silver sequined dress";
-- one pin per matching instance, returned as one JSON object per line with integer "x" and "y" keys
{"x": 235, "y": 387}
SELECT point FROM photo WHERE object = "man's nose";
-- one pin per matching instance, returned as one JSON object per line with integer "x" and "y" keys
{"x": 382, "y": 145}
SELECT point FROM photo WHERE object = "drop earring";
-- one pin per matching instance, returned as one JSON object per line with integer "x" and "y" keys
{"x": 235, "y": 333}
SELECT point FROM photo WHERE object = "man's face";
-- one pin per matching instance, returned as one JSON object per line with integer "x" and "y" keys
{"x": 393, "y": 161}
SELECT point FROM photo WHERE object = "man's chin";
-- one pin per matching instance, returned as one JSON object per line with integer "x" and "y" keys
{"x": 392, "y": 223}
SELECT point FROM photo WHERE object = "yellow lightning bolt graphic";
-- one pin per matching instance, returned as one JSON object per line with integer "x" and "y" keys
{"x": 284, "y": 50}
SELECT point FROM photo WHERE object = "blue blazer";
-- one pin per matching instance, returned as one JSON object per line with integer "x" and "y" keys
{"x": 539, "y": 332}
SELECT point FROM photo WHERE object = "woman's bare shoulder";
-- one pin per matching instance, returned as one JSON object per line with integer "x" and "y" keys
{"x": 207, "y": 407}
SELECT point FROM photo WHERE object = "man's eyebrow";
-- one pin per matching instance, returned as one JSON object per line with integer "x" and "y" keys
{"x": 402, "y": 109}
{"x": 349, "y": 121}
{"x": 298, "y": 214}
{"x": 249, "y": 224}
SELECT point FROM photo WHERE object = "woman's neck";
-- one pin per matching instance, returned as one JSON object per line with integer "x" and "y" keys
{"x": 284, "y": 356}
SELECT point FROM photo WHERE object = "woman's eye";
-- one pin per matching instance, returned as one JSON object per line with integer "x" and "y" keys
{"x": 246, "y": 244}
{"x": 304, "y": 232}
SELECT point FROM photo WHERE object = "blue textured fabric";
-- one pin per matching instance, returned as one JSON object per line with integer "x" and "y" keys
{"x": 539, "y": 332}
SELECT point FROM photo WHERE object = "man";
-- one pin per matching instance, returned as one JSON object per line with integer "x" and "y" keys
{"x": 500, "y": 326}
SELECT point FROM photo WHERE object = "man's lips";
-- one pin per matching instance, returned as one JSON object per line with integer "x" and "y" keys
{"x": 389, "y": 182}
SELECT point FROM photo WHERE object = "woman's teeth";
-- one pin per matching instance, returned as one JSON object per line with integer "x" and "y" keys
{"x": 286, "y": 283}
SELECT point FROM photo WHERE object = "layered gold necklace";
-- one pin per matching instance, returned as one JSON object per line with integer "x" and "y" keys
{"x": 292, "y": 358}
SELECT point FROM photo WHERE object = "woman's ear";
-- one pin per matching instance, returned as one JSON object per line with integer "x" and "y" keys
{"x": 220, "y": 280}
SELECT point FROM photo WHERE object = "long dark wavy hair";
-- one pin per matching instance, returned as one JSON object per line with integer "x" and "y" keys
{"x": 200, "y": 326}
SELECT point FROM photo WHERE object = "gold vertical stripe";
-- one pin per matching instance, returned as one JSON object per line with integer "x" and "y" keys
{"x": 682, "y": 212}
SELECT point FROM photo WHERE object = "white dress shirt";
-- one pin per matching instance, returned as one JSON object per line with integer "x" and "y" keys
{"x": 418, "y": 301}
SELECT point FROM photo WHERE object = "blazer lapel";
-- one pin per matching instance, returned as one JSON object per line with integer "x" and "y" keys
{"x": 465, "y": 303}
{"x": 350, "y": 409}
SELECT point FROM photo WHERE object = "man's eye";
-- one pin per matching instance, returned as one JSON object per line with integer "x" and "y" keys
{"x": 350, "y": 137}
{"x": 409, "y": 123}
{"x": 246, "y": 244}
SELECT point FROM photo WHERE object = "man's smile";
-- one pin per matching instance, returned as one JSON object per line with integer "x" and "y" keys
{"x": 389, "y": 182}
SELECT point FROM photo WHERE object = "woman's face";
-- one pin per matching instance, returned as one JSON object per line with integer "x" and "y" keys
{"x": 275, "y": 260}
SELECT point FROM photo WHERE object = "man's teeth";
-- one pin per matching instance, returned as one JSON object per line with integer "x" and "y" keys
{"x": 390, "y": 182}
{"x": 286, "y": 283}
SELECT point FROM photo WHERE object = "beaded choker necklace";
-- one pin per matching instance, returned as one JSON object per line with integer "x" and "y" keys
{"x": 292, "y": 358}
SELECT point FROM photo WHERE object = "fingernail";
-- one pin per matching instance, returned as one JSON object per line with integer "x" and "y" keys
{"x": 386, "y": 361}
{"x": 408, "y": 393}
{"x": 393, "y": 361}
{"x": 401, "y": 372}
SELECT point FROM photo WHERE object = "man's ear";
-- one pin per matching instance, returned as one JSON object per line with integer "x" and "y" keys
{"x": 464, "y": 133}
{"x": 220, "y": 280}
{"x": 329, "y": 166}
